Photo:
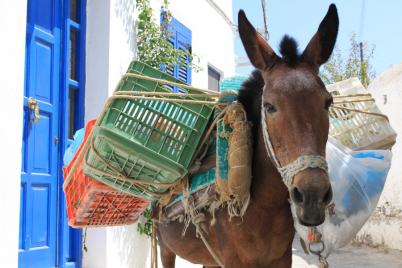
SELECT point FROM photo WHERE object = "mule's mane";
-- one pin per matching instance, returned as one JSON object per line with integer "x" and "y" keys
{"x": 288, "y": 50}
{"x": 250, "y": 94}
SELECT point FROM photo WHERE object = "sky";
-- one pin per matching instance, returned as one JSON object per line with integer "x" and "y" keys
{"x": 380, "y": 25}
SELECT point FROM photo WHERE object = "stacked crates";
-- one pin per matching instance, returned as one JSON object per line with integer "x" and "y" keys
{"x": 358, "y": 131}
{"x": 92, "y": 203}
{"x": 142, "y": 147}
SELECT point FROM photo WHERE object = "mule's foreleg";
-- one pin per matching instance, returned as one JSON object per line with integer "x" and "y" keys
{"x": 168, "y": 257}
{"x": 286, "y": 260}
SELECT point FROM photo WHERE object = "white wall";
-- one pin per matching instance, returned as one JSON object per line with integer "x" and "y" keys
{"x": 12, "y": 57}
{"x": 96, "y": 91}
{"x": 212, "y": 36}
{"x": 96, "y": 57}
{"x": 110, "y": 46}
{"x": 385, "y": 226}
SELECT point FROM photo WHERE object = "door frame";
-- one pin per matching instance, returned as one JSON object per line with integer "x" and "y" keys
{"x": 63, "y": 229}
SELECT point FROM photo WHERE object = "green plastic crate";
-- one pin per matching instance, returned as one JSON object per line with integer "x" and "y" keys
{"x": 148, "y": 140}
{"x": 130, "y": 159}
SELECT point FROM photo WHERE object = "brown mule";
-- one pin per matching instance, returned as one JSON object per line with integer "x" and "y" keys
{"x": 295, "y": 107}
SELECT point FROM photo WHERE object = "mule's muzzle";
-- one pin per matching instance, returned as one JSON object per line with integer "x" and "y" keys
{"x": 311, "y": 197}
{"x": 308, "y": 216}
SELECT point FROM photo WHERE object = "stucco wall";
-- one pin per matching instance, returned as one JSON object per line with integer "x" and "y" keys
{"x": 212, "y": 36}
{"x": 110, "y": 46}
{"x": 385, "y": 226}
{"x": 12, "y": 55}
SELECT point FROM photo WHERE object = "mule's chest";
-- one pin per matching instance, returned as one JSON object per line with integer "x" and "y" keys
{"x": 260, "y": 240}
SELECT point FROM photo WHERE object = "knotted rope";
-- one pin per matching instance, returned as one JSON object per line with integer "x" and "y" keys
{"x": 199, "y": 221}
{"x": 145, "y": 95}
{"x": 301, "y": 163}
{"x": 154, "y": 248}
{"x": 209, "y": 97}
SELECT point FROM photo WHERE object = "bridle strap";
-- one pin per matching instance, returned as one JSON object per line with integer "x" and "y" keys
{"x": 301, "y": 163}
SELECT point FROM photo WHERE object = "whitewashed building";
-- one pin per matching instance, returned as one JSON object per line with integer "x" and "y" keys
{"x": 65, "y": 57}
{"x": 384, "y": 228}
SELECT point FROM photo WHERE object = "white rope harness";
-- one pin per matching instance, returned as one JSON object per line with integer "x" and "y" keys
{"x": 301, "y": 163}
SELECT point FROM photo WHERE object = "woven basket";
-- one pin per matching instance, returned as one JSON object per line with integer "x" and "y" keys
{"x": 358, "y": 131}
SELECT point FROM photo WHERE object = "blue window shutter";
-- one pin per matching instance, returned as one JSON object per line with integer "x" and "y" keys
{"x": 180, "y": 38}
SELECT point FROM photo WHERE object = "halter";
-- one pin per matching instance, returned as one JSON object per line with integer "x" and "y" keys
{"x": 301, "y": 163}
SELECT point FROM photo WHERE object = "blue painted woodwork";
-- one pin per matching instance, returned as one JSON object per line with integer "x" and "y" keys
{"x": 180, "y": 38}
{"x": 71, "y": 239}
{"x": 45, "y": 239}
{"x": 39, "y": 174}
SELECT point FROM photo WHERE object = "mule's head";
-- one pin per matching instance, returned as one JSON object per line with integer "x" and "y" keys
{"x": 295, "y": 110}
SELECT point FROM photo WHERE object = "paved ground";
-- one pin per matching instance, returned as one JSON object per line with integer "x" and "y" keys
{"x": 348, "y": 257}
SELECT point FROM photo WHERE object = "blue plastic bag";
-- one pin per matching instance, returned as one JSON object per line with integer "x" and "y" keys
{"x": 74, "y": 146}
{"x": 357, "y": 180}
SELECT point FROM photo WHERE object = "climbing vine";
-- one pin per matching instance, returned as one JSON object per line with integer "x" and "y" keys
{"x": 153, "y": 46}
{"x": 146, "y": 227}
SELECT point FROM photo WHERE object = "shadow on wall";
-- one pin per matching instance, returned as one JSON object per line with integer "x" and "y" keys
{"x": 133, "y": 249}
{"x": 97, "y": 60}
{"x": 125, "y": 10}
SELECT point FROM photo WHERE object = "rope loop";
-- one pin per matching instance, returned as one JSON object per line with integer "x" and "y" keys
{"x": 301, "y": 163}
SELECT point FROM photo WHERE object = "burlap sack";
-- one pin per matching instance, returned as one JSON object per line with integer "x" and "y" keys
{"x": 237, "y": 131}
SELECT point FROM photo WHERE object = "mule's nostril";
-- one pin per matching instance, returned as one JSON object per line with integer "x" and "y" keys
{"x": 296, "y": 195}
{"x": 327, "y": 197}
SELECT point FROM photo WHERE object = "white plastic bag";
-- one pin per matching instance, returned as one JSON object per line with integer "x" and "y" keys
{"x": 357, "y": 180}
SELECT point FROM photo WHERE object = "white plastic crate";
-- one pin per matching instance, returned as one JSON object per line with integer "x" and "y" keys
{"x": 358, "y": 131}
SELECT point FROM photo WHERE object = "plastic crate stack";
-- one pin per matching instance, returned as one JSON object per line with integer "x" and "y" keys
{"x": 143, "y": 147}
{"x": 91, "y": 203}
{"x": 135, "y": 151}
{"x": 356, "y": 130}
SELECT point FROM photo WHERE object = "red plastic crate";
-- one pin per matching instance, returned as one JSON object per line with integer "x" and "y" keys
{"x": 92, "y": 203}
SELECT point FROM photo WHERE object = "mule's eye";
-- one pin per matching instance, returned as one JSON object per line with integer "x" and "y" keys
{"x": 328, "y": 103}
{"x": 269, "y": 108}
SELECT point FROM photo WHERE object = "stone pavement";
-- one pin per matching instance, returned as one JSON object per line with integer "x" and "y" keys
{"x": 347, "y": 257}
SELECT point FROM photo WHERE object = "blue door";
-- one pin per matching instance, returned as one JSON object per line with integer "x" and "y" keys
{"x": 39, "y": 174}
{"x": 45, "y": 240}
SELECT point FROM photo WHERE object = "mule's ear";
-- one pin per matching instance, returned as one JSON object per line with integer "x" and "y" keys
{"x": 261, "y": 55}
{"x": 320, "y": 47}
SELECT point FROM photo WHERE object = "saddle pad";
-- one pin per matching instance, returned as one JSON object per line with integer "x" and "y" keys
{"x": 197, "y": 182}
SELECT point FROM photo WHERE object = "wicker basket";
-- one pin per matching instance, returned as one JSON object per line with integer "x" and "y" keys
{"x": 358, "y": 131}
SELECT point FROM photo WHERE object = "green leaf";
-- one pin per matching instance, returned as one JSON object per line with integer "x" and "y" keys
{"x": 153, "y": 46}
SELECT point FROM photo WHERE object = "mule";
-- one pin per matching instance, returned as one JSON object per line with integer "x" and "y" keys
{"x": 286, "y": 100}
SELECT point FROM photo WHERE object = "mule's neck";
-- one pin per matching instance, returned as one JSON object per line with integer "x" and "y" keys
{"x": 267, "y": 188}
